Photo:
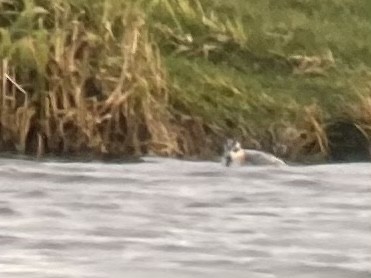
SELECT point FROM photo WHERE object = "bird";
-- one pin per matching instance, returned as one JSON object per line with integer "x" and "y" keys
{"x": 235, "y": 154}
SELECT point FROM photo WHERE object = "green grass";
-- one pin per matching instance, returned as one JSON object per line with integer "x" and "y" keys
{"x": 244, "y": 85}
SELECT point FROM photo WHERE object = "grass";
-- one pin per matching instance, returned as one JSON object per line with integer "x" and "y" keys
{"x": 176, "y": 78}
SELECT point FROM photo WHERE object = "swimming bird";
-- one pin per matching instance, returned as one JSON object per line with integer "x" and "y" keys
{"x": 234, "y": 153}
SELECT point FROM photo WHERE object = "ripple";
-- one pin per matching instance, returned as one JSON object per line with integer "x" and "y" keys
{"x": 92, "y": 206}
{"x": 8, "y": 240}
{"x": 258, "y": 213}
{"x": 307, "y": 183}
{"x": 70, "y": 245}
{"x": 204, "y": 205}
{"x": 210, "y": 174}
{"x": 52, "y": 213}
{"x": 125, "y": 233}
{"x": 33, "y": 194}
{"x": 6, "y": 211}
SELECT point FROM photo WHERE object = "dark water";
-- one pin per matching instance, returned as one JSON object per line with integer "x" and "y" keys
{"x": 168, "y": 218}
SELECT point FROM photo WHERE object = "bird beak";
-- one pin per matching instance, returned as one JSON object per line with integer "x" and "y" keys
{"x": 228, "y": 160}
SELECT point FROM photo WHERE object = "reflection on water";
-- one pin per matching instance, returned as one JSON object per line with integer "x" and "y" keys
{"x": 169, "y": 218}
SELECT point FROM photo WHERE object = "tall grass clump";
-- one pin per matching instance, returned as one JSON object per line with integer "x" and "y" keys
{"x": 94, "y": 76}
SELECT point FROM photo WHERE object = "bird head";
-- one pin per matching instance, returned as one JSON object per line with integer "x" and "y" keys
{"x": 231, "y": 150}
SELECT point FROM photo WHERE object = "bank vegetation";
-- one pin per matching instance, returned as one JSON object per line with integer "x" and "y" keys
{"x": 177, "y": 77}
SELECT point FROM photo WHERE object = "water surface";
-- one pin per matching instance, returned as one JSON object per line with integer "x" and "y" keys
{"x": 170, "y": 218}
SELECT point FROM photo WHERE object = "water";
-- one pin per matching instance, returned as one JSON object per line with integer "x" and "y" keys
{"x": 169, "y": 218}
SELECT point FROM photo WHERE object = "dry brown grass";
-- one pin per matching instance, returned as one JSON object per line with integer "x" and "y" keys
{"x": 127, "y": 115}
{"x": 360, "y": 114}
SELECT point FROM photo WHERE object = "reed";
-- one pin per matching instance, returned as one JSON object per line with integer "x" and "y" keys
{"x": 95, "y": 84}
{"x": 359, "y": 113}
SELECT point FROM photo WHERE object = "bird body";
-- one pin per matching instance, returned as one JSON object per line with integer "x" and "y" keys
{"x": 233, "y": 153}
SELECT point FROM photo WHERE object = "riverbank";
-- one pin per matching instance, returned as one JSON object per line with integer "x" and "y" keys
{"x": 175, "y": 78}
